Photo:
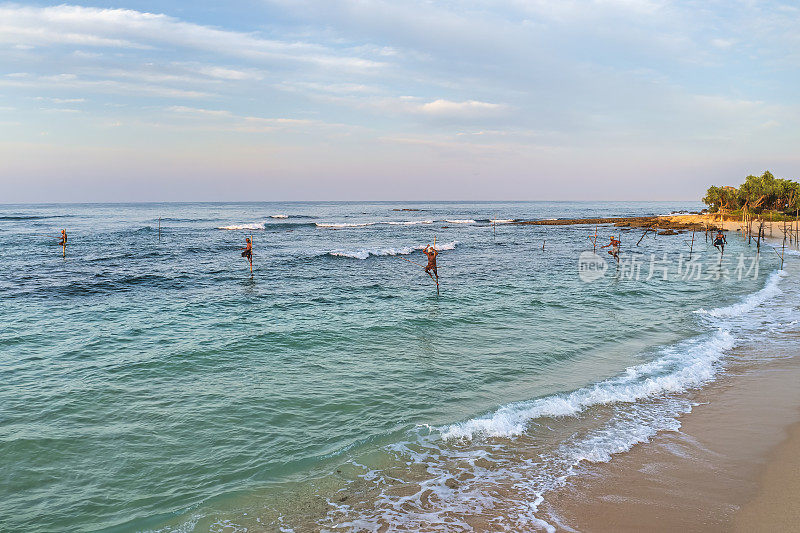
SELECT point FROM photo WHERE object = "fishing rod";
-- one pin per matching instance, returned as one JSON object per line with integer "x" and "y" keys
{"x": 409, "y": 260}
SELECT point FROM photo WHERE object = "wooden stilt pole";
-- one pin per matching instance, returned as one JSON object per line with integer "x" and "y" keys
{"x": 159, "y": 229}
{"x": 758, "y": 241}
{"x": 784, "y": 234}
{"x": 691, "y": 246}
{"x": 643, "y": 235}
{"x": 783, "y": 248}
{"x": 436, "y": 272}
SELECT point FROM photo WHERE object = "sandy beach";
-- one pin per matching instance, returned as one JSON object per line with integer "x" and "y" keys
{"x": 733, "y": 466}
{"x": 772, "y": 230}
{"x": 730, "y": 467}
{"x": 774, "y": 507}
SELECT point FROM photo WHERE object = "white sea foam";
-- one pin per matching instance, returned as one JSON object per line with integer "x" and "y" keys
{"x": 502, "y": 220}
{"x": 460, "y": 221}
{"x": 411, "y": 222}
{"x": 253, "y": 226}
{"x": 364, "y": 253}
{"x": 624, "y": 433}
{"x": 344, "y": 224}
{"x": 640, "y": 403}
{"x": 750, "y": 302}
{"x": 279, "y": 216}
{"x": 681, "y": 367}
{"x": 446, "y": 246}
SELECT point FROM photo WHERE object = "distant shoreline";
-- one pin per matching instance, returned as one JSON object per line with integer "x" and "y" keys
{"x": 674, "y": 223}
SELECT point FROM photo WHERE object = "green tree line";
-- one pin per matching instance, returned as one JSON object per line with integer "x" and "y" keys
{"x": 757, "y": 194}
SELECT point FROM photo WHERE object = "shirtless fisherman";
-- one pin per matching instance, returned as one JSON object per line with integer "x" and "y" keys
{"x": 614, "y": 251}
{"x": 720, "y": 241}
{"x": 248, "y": 252}
{"x": 63, "y": 242}
{"x": 431, "y": 252}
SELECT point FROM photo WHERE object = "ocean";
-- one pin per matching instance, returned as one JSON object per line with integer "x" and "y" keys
{"x": 149, "y": 382}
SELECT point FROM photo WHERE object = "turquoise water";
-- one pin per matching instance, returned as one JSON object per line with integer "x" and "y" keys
{"x": 149, "y": 382}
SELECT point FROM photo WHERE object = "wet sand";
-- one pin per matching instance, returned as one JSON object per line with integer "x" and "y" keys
{"x": 775, "y": 506}
{"x": 730, "y": 467}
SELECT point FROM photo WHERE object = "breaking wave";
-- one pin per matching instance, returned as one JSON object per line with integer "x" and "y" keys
{"x": 680, "y": 367}
{"x": 411, "y": 222}
{"x": 365, "y": 253}
{"x": 643, "y": 401}
{"x": 750, "y": 302}
{"x": 344, "y": 224}
{"x": 253, "y": 226}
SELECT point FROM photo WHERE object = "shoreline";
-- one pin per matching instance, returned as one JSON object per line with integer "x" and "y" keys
{"x": 730, "y": 467}
{"x": 681, "y": 222}
{"x": 734, "y": 464}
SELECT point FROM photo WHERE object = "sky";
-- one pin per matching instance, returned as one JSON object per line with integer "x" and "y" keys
{"x": 395, "y": 100}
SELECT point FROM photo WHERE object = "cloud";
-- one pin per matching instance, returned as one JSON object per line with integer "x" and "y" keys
{"x": 71, "y": 82}
{"x": 62, "y": 100}
{"x": 224, "y": 73}
{"x": 221, "y": 120}
{"x": 722, "y": 43}
{"x": 466, "y": 109}
{"x": 199, "y": 111}
{"x": 126, "y": 28}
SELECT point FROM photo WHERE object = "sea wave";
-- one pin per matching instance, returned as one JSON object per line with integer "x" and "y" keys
{"x": 681, "y": 367}
{"x": 31, "y": 217}
{"x": 750, "y": 302}
{"x": 252, "y": 226}
{"x": 411, "y": 222}
{"x": 365, "y": 253}
{"x": 641, "y": 402}
{"x": 390, "y": 223}
{"x": 268, "y": 225}
{"x": 344, "y": 224}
